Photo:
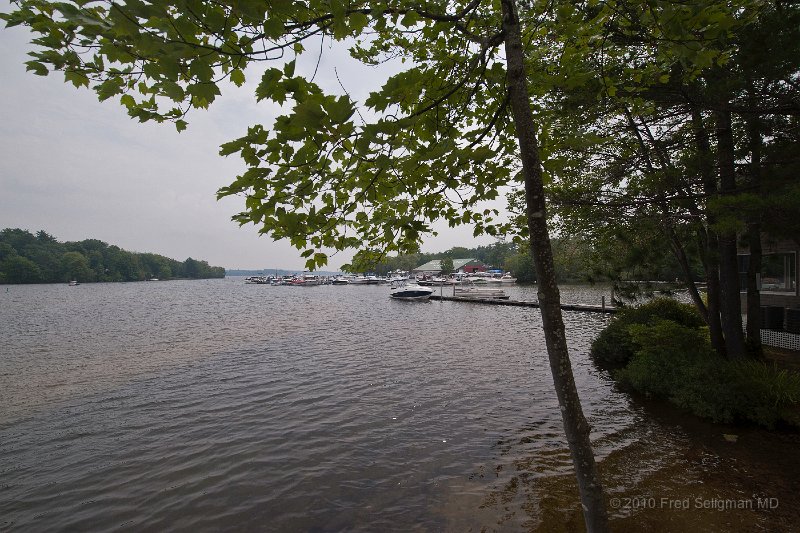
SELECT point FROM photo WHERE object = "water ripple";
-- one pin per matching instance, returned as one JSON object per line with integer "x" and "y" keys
{"x": 216, "y": 404}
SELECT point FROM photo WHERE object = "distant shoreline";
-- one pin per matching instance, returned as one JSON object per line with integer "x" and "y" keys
{"x": 6, "y": 284}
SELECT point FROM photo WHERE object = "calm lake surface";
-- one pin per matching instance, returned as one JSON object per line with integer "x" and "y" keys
{"x": 208, "y": 405}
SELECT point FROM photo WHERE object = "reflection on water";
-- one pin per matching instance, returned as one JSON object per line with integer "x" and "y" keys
{"x": 214, "y": 404}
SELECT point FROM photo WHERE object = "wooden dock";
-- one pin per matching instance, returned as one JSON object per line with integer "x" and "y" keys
{"x": 520, "y": 303}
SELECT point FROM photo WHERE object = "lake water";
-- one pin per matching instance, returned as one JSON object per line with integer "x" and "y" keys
{"x": 208, "y": 405}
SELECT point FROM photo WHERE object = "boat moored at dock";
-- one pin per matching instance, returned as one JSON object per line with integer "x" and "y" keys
{"x": 409, "y": 291}
{"x": 476, "y": 293}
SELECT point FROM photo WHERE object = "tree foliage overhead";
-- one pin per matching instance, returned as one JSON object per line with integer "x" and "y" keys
{"x": 40, "y": 258}
{"x": 432, "y": 143}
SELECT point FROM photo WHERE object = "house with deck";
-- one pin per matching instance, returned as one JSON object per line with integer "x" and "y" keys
{"x": 778, "y": 287}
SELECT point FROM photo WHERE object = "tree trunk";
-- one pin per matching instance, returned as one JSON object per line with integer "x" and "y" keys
{"x": 731, "y": 304}
{"x": 575, "y": 425}
{"x": 753, "y": 290}
{"x": 708, "y": 237}
{"x": 754, "y": 243}
{"x": 678, "y": 249}
{"x": 680, "y": 254}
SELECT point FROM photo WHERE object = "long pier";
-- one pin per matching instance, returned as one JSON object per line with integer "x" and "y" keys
{"x": 520, "y": 303}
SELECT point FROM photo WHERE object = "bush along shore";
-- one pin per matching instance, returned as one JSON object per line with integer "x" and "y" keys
{"x": 662, "y": 350}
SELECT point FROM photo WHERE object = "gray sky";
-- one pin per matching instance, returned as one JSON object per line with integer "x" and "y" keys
{"x": 81, "y": 169}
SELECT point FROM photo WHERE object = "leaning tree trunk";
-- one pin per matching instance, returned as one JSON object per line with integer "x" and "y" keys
{"x": 575, "y": 425}
{"x": 709, "y": 246}
{"x": 731, "y": 304}
{"x": 680, "y": 254}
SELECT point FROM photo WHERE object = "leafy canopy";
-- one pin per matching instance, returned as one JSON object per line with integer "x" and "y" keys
{"x": 430, "y": 144}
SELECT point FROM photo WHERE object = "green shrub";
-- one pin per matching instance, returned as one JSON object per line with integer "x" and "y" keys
{"x": 614, "y": 346}
{"x": 767, "y": 395}
{"x": 677, "y": 363}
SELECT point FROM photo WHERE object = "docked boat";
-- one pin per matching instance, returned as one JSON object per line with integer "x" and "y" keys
{"x": 311, "y": 280}
{"x": 505, "y": 278}
{"x": 74, "y": 283}
{"x": 257, "y": 280}
{"x": 367, "y": 280}
{"x": 306, "y": 280}
{"x": 431, "y": 282}
{"x": 340, "y": 281}
{"x": 474, "y": 293}
{"x": 409, "y": 291}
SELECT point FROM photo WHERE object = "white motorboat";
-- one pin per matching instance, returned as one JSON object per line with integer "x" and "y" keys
{"x": 505, "y": 278}
{"x": 432, "y": 281}
{"x": 409, "y": 291}
{"x": 306, "y": 280}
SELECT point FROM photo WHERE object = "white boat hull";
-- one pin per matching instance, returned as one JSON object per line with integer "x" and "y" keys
{"x": 411, "y": 292}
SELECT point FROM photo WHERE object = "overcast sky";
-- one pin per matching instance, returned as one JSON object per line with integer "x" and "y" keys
{"x": 80, "y": 169}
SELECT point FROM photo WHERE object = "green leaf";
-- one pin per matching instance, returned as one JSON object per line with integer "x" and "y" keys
{"x": 37, "y": 68}
{"x": 128, "y": 101}
{"x": 172, "y": 90}
{"x": 109, "y": 88}
{"x": 203, "y": 93}
{"x": 410, "y": 19}
{"x": 309, "y": 115}
{"x": 267, "y": 87}
{"x": 78, "y": 79}
{"x": 180, "y": 125}
{"x": 339, "y": 110}
{"x": 273, "y": 28}
{"x": 237, "y": 77}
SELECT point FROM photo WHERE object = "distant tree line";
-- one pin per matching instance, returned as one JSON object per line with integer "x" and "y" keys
{"x": 576, "y": 259}
{"x": 40, "y": 258}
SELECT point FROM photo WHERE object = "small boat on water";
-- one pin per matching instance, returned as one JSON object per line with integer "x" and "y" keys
{"x": 340, "y": 281}
{"x": 409, "y": 291}
{"x": 74, "y": 283}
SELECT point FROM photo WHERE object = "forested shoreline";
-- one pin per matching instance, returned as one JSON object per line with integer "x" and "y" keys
{"x": 40, "y": 258}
